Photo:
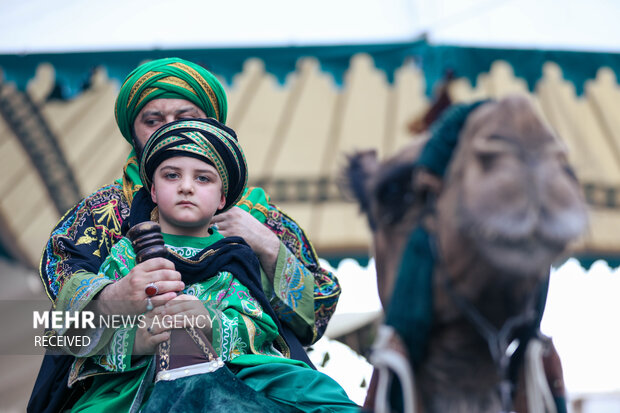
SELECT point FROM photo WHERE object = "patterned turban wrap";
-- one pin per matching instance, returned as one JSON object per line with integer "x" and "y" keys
{"x": 169, "y": 78}
{"x": 204, "y": 139}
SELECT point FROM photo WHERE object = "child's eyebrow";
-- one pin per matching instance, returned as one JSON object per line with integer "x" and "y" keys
{"x": 196, "y": 171}
{"x": 175, "y": 168}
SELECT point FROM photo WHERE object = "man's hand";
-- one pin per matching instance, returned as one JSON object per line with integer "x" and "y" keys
{"x": 127, "y": 295}
{"x": 264, "y": 243}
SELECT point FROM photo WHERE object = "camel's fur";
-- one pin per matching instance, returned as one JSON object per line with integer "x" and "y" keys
{"x": 505, "y": 211}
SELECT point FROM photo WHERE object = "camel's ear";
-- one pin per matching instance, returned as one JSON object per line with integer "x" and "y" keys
{"x": 355, "y": 176}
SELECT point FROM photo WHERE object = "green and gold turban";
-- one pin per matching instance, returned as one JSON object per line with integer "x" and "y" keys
{"x": 205, "y": 139}
{"x": 169, "y": 78}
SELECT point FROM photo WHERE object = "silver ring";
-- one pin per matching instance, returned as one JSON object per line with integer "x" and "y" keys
{"x": 149, "y": 304}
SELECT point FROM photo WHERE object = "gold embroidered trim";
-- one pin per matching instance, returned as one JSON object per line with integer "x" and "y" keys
{"x": 139, "y": 84}
{"x": 90, "y": 235}
{"x": 145, "y": 94}
{"x": 77, "y": 365}
{"x": 128, "y": 187}
{"x": 175, "y": 81}
{"x": 164, "y": 355}
{"x": 251, "y": 330}
{"x": 286, "y": 352}
{"x": 251, "y": 205}
{"x": 203, "y": 83}
{"x": 203, "y": 346}
{"x": 206, "y": 254}
{"x": 226, "y": 138}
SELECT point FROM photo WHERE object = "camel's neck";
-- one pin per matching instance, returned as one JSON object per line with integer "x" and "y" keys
{"x": 497, "y": 293}
{"x": 459, "y": 373}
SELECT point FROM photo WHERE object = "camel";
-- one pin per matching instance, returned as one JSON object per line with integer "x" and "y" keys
{"x": 491, "y": 207}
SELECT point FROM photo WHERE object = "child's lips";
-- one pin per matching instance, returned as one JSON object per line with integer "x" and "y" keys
{"x": 185, "y": 203}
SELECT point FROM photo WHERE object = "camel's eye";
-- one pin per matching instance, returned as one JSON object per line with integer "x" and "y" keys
{"x": 487, "y": 160}
{"x": 494, "y": 149}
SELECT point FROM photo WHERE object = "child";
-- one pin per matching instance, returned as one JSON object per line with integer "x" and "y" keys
{"x": 191, "y": 170}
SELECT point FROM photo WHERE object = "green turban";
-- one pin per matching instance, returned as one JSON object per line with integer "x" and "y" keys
{"x": 169, "y": 78}
{"x": 203, "y": 139}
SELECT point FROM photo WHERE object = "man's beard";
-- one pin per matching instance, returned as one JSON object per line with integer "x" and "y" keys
{"x": 138, "y": 148}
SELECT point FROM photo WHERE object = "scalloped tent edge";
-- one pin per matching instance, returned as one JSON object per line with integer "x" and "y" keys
{"x": 73, "y": 70}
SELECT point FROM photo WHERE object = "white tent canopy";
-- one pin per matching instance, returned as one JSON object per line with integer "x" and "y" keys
{"x": 38, "y": 26}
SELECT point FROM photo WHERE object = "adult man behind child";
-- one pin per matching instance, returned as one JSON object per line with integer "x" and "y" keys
{"x": 193, "y": 170}
{"x": 154, "y": 94}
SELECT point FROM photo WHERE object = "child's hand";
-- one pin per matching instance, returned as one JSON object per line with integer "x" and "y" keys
{"x": 151, "y": 334}
{"x": 188, "y": 311}
{"x": 128, "y": 296}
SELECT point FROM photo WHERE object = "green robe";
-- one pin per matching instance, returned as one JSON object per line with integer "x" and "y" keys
{"x": 246, "y": 338}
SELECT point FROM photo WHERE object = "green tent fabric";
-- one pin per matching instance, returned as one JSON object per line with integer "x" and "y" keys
{"x": 73, "y": 70}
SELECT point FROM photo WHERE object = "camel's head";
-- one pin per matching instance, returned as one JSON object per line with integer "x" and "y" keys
{"x": 509, "y": 190}
{"x": 508, "y": 195}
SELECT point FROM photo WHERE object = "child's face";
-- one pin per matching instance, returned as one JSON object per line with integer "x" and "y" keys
{"x": 188, "y": 193}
